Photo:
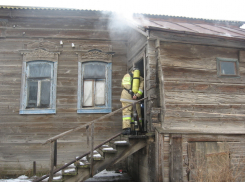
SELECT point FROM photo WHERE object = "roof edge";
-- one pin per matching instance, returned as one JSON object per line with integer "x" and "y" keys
{"x": 135, "y": 14}
{"x": 184, "y": 17}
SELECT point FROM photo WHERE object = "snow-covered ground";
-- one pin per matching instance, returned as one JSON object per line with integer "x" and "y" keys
{"x": 21, "y": 178}
{"x": 102, "y": 176}
{"x": 106, "y": 176}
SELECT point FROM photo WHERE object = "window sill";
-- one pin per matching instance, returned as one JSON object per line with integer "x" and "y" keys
{"x": 38, "y": 111}
{"x": 229, "y": 76}
{"x": 102, "y": 110}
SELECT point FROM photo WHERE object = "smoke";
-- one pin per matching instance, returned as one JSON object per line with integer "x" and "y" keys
{"x": 122, "y": 22}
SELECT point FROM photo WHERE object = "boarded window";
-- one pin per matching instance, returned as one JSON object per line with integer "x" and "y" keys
{"x": 227, "y": 67}
{"x": 208, "y": 161}
{"x": 39, "y": 77}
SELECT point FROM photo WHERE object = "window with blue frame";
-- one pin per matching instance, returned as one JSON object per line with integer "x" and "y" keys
{"x": 39, "y": 87}
{"x": 94, "y": 87}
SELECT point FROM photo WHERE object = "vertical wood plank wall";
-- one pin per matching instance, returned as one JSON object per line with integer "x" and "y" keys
{"x": 235, "y": 144}
{"x": 21, "y": 135}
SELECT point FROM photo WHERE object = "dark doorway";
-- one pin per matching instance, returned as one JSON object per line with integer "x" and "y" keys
{"x": 140, "y": 66}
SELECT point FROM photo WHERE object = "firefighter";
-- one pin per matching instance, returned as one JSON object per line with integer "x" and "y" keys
{"x": 133, "y": 85}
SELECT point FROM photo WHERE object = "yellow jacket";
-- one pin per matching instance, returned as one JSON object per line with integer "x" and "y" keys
{"x": 126, "y": 83}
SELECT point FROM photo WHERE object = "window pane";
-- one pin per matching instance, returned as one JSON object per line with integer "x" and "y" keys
{"x": 228, "y": 68}
{"x": 32, "y": 94}
{"x": 100, "y": 92}
{"x": 94, "y": 70}
{"x": 45, "y": 94}
{"x": 39, "y": 69}
{"x": 88, "y": 93}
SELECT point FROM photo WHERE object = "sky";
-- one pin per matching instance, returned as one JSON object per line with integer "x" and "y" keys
{"x": 207, "y": 9}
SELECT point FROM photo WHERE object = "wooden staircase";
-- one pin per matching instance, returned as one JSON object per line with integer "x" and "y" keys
{"x": 105, "y": 156}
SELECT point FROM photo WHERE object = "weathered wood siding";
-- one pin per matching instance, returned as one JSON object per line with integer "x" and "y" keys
{"x": 195, "y": 97}
{"x": 21, "y": 135}
{"x": 141, "y": 165}
{"x": 191, "y": 148}
{"x": 233, "y": 144}
{"x": 135, "y": 47}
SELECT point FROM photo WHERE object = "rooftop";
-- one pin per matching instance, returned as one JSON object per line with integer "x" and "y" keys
{"x": 73, "y": 9}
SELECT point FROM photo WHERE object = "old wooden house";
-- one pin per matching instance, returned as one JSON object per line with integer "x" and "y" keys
{"x": 194, "y": 73}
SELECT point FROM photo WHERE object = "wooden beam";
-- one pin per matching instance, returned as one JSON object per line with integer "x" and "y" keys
{"x": 195, "y": 39}
{"x": 242, "y": 56}
{"x": 176, "y": 167}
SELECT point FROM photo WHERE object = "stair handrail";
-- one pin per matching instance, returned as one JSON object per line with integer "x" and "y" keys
{"x": 52, "y": 139}
{"x": 77, "y": 158}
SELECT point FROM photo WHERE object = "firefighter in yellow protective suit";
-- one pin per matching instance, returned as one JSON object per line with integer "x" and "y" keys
{"x": 128, "y": 97}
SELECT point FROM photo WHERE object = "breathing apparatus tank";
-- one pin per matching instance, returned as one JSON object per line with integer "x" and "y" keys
{"x": 136, "y": 81}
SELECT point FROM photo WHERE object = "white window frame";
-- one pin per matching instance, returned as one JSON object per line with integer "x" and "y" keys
{"x": 96, "y": 109}
{"x": 39, "y": 56}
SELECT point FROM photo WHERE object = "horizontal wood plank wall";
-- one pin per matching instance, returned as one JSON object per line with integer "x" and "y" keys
{"x": 196, "y": 99}
{"x": 21, "y": 135}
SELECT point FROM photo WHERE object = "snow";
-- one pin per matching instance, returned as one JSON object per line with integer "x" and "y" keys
{"x": 84, "y": 158}
{"x": 72, "y": 165}
{"x": 57, "y": 177}
{"x": 123, "y": 141}
{"x": 21, "y": 178}
{"x": 81, "y": 163}
{"x": 70, "y": 170}
{"x": 109, "y": 148}
{"x": 97, "y": 155}
{"x": 107, "y": 173}
{"x": 59, "y": 172}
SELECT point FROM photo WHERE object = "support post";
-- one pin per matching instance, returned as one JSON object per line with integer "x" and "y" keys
{"x": 92, "y": 150}
{"x": 55, "y": 153}
{"x": 34, "y": 171}
{"x": 52, "y": 151}
{"x": 87, "y": 133}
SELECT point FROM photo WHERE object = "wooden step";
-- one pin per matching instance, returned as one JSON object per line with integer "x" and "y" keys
{"x": 56, "y": 178}
{"x": 116, "y": 143}
{"x": 96, "y": 156}
{"x": 69, "y": 172}
{"x": 80, "y": 164}
{"x": 106, "y": 149}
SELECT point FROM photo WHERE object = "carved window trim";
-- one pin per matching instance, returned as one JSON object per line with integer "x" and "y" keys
{"x": 38, "y": 55}
{"x": 87, "y": 57}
